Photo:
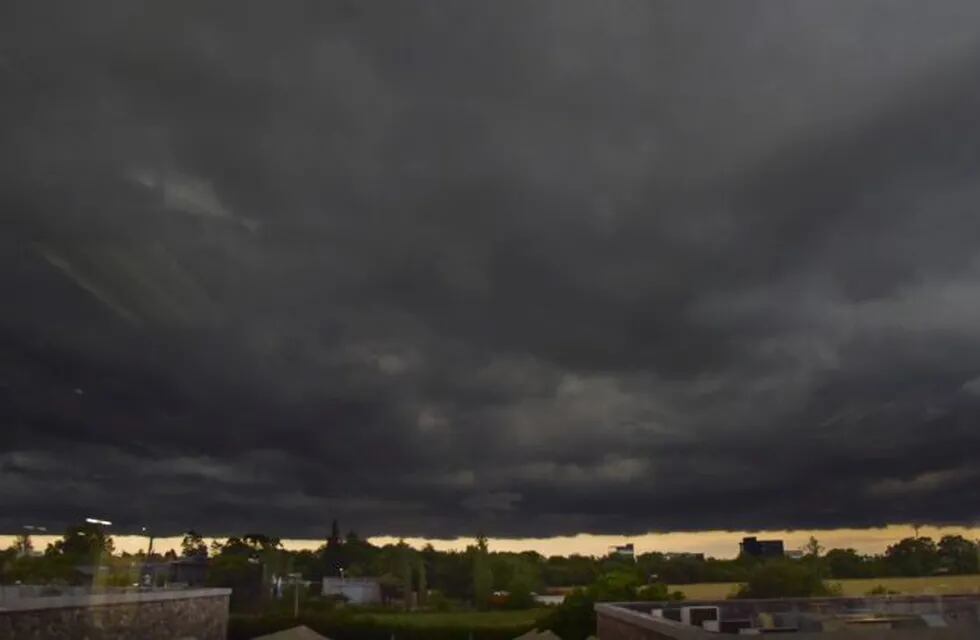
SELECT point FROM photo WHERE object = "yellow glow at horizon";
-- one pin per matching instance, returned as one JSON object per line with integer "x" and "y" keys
{"x": 718, "y": 544}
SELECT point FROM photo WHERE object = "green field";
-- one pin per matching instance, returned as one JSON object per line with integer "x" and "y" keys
{"x": 932, "y": 585}
{"x": 474, "y": 619}
{"x": 352, "y": 624}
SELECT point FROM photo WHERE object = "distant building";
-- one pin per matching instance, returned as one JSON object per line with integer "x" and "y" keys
{"x": 625, "y": 551}
{"x": 752, "y": 546}
{"x": 355, "y": 590}
{"x": 192, "y": 571}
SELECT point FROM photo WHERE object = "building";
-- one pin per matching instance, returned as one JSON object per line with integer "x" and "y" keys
{"x": 191, "y": 571}
{"x": 752, "y": 546}
{"x": 355, "y": 590}
{"x": 883, "y": 618}
{"x": 624, "y": 551}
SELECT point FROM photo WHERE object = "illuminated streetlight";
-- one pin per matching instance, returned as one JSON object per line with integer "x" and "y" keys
{"x": 105, "y": 523}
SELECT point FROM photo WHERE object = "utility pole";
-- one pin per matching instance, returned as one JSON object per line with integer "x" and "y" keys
{"x": 297, "y": 580}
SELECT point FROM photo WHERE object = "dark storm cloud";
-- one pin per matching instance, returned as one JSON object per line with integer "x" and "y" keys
{"x": 530, "y": 268}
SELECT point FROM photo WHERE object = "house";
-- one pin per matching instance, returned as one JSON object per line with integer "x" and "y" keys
{"x": 354, "y": 590}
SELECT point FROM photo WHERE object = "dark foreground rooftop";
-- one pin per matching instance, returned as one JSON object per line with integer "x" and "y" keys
{"x": 887, "y": 618}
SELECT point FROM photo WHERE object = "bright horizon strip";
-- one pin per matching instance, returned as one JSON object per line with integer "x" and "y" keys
{"x": 718, "y": 544}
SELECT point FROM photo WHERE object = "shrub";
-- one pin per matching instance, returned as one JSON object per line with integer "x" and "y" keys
{"x": 882, "y": 590}
{"x": 615, "y": 586}
{"x": 437, "y": 601}
{"x": 658, "y": 591}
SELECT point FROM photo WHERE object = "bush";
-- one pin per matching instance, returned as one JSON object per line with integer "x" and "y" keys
{"x": 784, "y": 579}
{"x": 437, "y": 601}
{"x": 657, "y": 592}
{"x": 615, "y": 586}
{"x": 882, "y": 590}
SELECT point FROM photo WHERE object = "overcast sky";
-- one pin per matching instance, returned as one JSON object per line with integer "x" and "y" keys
{"x": 526, "y": 268}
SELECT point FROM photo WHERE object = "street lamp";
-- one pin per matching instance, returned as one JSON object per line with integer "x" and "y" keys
{"x": 104, "y": 523}
{"x": 149, "y": 547}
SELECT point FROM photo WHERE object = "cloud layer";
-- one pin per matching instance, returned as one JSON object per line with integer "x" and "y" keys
{"x": 531, "y": 269}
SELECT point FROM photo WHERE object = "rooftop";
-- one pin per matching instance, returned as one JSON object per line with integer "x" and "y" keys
{"x": 905, "y": 617}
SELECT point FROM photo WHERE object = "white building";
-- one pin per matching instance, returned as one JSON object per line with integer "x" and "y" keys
{"x": 356, "y": 590}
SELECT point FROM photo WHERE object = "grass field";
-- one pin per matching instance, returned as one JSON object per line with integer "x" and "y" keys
{"x": 353, "y": 624}
{"x": 932, "y": 585}
{"x": 474, "y": 619}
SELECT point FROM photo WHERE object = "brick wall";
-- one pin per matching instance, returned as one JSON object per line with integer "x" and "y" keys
{"x": 201, "y": 615}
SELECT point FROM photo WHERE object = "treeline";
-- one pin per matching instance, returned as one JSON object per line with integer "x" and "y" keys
{"x": 909, "y": 557}
{"x": 475, "y": 573}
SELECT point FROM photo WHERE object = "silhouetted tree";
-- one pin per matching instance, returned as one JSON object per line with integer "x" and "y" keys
{"x": 958, "y": 555}
{"x": 482, "y": 574}
{"x": 423, "y": 581}
{"x": 813, "y": 548}
{"x": 846, "y": 563}
{"x": 193, "y": 546}
{"x": 83, "y": 543}
{"x": 913, "y": 557}
{"x": 784, "y": 579}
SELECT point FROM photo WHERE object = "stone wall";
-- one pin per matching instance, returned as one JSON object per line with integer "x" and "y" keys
{"x": 200, "y": 614}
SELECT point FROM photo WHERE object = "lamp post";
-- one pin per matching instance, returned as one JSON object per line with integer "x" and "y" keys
{"x": 296, "y": 579}
{"x": 149, "y": 546}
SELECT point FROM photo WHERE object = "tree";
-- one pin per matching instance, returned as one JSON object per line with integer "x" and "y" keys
{"x": 261, "y": 543}
{"x": 958, "y": 555}
{"x": 912, "y": 557}
{"x": 423, "y": 583}
{"x": 333, "y": 557}
{"x": 22, "y": 545}
{"x": 241, "y": 573}
{"x": 615, "y": 586}
{"x": 193, "y": 546}
{"x": 846, "y": 563}
{"x": 334, "y": 539}
{"x": 482, "y": 574}
{"x": 813, "y": 548}
{"x": 405, "y": 572}
{"x": 84, "y": 544}
{"x": 574, "y": 619}
{"x": 571, "y": 571}
{"x": 783, "y": 579}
